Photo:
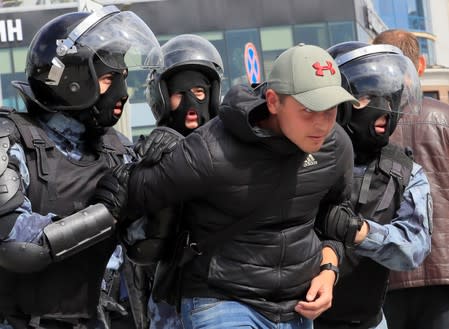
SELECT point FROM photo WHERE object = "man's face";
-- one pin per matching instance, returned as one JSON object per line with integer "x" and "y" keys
{"x": 192, "y": 120}
{"x": 189, "y": 100}
{"x": 105, "y": 82}
{"x": 305, "y": 128}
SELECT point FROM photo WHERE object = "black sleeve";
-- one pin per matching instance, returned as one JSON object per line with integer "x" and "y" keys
{"x": 341, "y": 190}
{"x": 180, "y": 176}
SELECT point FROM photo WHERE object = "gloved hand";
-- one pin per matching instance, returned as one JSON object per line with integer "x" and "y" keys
{"x": 112, "y": 190}
{"x": 152, "y": 147}
{"x": 338, "y": 222}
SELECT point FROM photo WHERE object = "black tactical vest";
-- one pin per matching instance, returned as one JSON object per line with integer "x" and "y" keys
{"x": 377, "y": 195}
{"x": 62, "y": 187}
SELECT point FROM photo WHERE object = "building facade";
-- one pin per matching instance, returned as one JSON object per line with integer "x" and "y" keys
{"x": 428, "y": 20}
{"x": 248, "y": 34}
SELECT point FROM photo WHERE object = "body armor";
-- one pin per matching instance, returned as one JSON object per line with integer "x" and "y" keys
{"x": 377, "y": 195}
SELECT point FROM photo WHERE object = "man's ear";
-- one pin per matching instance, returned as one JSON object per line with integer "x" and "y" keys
{"x": 272, "y": 101}
{"x": 421, "y": 65}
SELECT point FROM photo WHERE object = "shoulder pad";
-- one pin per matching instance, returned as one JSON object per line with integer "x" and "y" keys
{"x": 11, "y": 196}
{"x": 7, "y": 126}
{"x": 4, "y": 158}
{"x": 8, "y": 135}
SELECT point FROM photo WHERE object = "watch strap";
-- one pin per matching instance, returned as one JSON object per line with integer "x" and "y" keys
{"x": 331, "y": 267}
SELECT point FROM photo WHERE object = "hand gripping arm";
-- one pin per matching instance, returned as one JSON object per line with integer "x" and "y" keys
{"x": 339, "y": 222}
{"x": 161, "y": 140}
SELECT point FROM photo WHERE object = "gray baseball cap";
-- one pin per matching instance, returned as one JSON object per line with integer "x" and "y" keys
{"x": 311, "y": 76}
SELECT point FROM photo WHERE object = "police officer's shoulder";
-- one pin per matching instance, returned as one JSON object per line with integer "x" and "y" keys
{"x": 118, "y": 142}
{"x": 7, "y": 126}
{"x": 401, "y": 151}
{"x": 123, "y": 139}
{"x": 9, "y": 174}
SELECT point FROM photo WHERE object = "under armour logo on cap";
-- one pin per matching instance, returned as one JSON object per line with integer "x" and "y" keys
{"x": 319, "y": 69}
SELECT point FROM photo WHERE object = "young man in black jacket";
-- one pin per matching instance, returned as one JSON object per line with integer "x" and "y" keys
{"x": 271, "y": 157}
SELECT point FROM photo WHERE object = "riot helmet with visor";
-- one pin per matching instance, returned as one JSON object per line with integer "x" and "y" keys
{"x": 68, "y": 55}
{"x": 385, "y": 83}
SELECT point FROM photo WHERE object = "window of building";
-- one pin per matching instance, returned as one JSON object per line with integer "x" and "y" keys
{"x": 340, "y": 32}
{"x": 19, "y": 58}
{"x": 236, "y": 40}
{"x": 312, "y": 34}
{"x": 5, "y": 61}
{"x": 427, "y": 49}
{"x": 416, "y": 15}
{"x": 274, "y": 41}
{"x": 433, "y": 94}
{"x": 9, "y": 96}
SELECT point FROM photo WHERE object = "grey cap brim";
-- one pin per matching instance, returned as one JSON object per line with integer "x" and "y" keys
{"x": 323, "y": 99}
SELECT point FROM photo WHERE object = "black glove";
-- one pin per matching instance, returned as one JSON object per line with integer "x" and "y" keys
{"x": 338, "y": 222}
{"x": 152, "y": 147}
{"x": 112, "y": 190}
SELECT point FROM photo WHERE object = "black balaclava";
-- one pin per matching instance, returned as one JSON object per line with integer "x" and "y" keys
{"x": 101, "y": 115}
{"x": 182, "y": 82}
{"x": 367, "y": 144}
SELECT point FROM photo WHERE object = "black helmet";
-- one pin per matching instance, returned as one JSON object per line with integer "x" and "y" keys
{"x": 386, "y": 84}
{"x": 60, "y": 61}
{"x": 377, "y": 71}
{"x": 184, "y": 52}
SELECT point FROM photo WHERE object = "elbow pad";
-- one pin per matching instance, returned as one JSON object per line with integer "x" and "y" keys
{"x": 62, "y": 239}
{"x": 72, "y": 234}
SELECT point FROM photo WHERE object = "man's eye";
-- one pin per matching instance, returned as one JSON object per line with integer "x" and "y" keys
{"x": 197, "y": 90}
{"x": 363, "y": 102}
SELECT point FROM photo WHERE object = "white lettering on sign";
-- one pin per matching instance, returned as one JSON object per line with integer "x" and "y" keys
{"x": 11, "y": 30}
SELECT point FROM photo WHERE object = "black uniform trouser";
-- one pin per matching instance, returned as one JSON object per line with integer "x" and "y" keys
{"x": 418, "y": 308}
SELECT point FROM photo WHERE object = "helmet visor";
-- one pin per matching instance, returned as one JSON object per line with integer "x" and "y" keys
{"x": 132, "y": 45}
{"x": 390, "y": 77}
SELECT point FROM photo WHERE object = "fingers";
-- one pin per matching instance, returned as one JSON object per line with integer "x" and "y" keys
{"x": 312, "y": 309}
{"x": 160, "y": 141}
{"x": 318, "y": 299}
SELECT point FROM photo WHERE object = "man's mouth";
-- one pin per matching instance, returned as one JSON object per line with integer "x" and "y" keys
{"x": 118, "y": 109}
{"x": 191, "y": 116}
{"x": 381, "y": 126}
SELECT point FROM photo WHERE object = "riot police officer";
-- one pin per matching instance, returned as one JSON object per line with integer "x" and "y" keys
{"x": 183, "y": 96}
{"x": 386, "y": 225}
{"x": 55, "y": 242}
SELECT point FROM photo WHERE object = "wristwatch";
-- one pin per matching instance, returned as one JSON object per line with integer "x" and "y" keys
{"x": 331, "y": 267}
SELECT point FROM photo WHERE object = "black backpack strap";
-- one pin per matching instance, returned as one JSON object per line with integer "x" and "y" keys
{"x": 395, "y": 163}
{"x": 366, "y": 183}
{"x": 34, "y": 138}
